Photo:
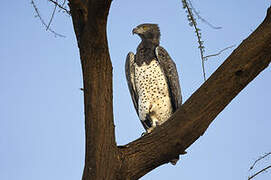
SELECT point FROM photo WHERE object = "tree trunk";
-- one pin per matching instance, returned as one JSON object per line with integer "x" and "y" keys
{"x": 89, "y": 20}
{"x": 104, "y": 160}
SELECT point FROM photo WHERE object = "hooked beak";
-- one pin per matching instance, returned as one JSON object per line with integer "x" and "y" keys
{"x": 134, "y": 31}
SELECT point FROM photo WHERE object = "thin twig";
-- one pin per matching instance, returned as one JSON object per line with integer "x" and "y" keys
{"x": 201, "y": 18}
{"x": 63, "y": 3}
{"x": 264, "y": 169}
{"x": 43, "y": 22}
{"x": 211, "y": 55}
{"x": 51, "y": 17}
{"x": 198, "y": 34}
{"x": 260, "y": 158}
{"x": 61, "y": 6}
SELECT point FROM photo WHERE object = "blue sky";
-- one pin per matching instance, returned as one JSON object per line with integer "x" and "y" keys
{"x": 41, "y": 107}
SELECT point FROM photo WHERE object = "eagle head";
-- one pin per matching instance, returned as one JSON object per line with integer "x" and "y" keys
{"x": 147, "y": 31}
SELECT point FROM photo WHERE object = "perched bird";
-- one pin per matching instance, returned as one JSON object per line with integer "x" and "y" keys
{"x": 152, "y": 79}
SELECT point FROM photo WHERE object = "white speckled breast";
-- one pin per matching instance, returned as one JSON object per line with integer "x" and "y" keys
{"x": 153, "y": 93}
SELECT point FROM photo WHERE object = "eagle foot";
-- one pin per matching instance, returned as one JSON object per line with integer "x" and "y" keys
{"x": 144, "y": 133}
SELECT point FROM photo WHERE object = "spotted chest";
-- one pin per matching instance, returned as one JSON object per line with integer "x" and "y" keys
{"x": 153, "y": 93}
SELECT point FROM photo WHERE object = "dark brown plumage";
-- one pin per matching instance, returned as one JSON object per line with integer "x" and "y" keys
{"x": 150, "y": 35}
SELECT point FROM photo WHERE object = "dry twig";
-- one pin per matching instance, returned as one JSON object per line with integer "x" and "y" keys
{"x": 201, "y": 18}
{"x": 260, "y": 158}
{"x": 193, "y": 23}
{"x": 51, "y": 18}
{"x": 259, "y": 172}
{"x": 262, "y": 170}
{"x": 211, "y": 55}
{"x": 61, "y": 6}
{"x": 42, "y": 20}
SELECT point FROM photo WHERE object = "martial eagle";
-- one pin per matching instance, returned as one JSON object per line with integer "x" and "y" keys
{"x": 152, "y": 79}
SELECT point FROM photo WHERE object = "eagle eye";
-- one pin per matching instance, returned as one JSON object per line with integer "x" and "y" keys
{"x": 145, "y": 28}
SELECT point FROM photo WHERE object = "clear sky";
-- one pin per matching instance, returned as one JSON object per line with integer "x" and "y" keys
{"x": 41, "y": 105}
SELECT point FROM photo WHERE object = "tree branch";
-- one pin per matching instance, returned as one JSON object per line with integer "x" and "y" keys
{"x": 201, "y": 18}
{"x": 217, "y": 54}
{"x": 260, "y": 158}
{"x": 193, "y": 23}
{"x": 52, "y": 16}
{"x": 61, "y": 6}
{"x": 264, "y": 169}
{"x": 193, "y": 118}
{"x": 42, "y": 20}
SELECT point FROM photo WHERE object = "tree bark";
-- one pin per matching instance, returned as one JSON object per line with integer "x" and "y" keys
{"x": 104, "y": 160}
{"x": 89, "y": 20}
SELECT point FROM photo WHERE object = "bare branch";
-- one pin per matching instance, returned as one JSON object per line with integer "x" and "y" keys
{"x": 61, "y": 6}
{"x": 201, "y": 18}
{"x": 63, "y": 3}
{"x": 229, "y": 47}
{"x": 42, "y": 21}
{"x": 193, "y": 23}
{"x": 259, "y": 172}
{"x": 260, "y": 158}
{"x": 51, "y": 18}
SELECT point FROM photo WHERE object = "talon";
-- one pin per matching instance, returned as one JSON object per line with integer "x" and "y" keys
{"x": 144, "y": 133}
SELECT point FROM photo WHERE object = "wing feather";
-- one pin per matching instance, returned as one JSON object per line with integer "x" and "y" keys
{"x": 171, "y": 74}
{"x": 130, "y": 77}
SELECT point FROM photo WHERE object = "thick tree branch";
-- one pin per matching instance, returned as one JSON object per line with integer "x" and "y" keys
{"x": 193, "y": 118}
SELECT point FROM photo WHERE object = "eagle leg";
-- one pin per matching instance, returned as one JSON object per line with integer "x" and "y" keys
{"x": 155, "y": 122}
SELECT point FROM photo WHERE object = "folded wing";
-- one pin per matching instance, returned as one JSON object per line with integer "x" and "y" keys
{"x": 170, "y": 71}
{"x": 130, "y": 77}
